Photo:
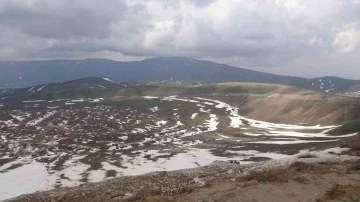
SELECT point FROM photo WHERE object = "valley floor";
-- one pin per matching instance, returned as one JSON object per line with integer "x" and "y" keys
{"x": 104, "y": 144}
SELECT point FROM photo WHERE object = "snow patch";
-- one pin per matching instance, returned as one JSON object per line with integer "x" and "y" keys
{"x": 23, "y": 180}
{"x": 107, "y": 79}
{"x": 42, "y": 87}
{"x": 154, "y": 109}
{"x": 193, "y": 115}
{"x": 149, "y": 97}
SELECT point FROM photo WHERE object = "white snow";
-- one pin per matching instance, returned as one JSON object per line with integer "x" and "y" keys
{"x": 205, "y": 111}
{"x": 40, "y": 119}
{"x": 107, "y": 79}
{"x": 95, "y": 99}
{"x": 298, "y": 134}
{"x": 193, "y": 115}
{"x": 161, "y": 123}
{"x": 178, "y": 123}
{"x": 78, "y": 100}
{"x": 154, "y": 109}
{"x": 291, "y": 142}
{"x": 336, "y": 150}
{"x": 30, "y": 89}
{"x": 235, "y": 122}
{"x": 19, "y": 118}
{"x": 149, "y": 97}
{"x": 59, "y": 100}
{"x": 208, "y": 103}
{"x": 271, "y": 155}
{"x": 212, "y": 123}
{"x": 191, "y": 159}
{"x": 31, "y": 101}
{"x": 174, "y": 97}
{"x": 42, "y": 87}
{"x": 23, "y": 180}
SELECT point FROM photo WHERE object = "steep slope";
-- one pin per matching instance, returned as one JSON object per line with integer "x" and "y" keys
{"x": 170, "y": 70}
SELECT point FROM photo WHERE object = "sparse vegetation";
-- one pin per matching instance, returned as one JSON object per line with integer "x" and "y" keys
{"x": 354, "y": 167}
{"x": 293, "y": 172}
{"x": 349, "y": 192}
{"x": 347, "y": 128}
{"x": 306, "y": 156}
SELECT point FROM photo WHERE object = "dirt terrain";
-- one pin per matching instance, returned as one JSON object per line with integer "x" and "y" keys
{"x": 319, "y": 183}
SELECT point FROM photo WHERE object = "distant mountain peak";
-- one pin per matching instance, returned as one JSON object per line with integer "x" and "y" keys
{"x": 154, "y": 71}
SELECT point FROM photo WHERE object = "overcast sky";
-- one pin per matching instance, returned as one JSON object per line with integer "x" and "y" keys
{"x": 307, "y": 38}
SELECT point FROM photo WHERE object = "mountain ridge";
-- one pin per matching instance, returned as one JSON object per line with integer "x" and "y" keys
{"x": 164, "y": 70}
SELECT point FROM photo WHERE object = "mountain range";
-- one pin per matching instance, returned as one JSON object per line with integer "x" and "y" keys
{"x": 157, "y": 71}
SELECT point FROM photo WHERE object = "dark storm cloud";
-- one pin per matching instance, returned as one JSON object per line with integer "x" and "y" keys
{"x": 62, "y": 19}
{"x": 275, "y": 36}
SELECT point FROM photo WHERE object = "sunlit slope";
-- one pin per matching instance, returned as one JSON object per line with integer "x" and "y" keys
{"x": 268, "y": 102}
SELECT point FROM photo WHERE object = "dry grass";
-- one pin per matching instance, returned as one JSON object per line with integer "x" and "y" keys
{"x": 307, "y": 156}
{"x": 350, "y": 192}
{"x": 144, "y": 194}
{"x": 152, "y": 198}
{"x": 156, "y": 195}
{"x": 354, "y": 144}
{"x": 354, "y": 167}
{"x": 273, "y": 175}
{"x": 300, "y": 172}
{"x": 293, "y": 172}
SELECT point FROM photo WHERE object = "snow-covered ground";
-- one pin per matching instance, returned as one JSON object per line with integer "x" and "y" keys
{"x": 132, "y": 142}
{"x": 26, "y": 179}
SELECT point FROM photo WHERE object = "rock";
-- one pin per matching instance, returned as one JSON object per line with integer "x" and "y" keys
{"x": 199, "y": 182}
{"x": 128, "y": 195}
{"x": 231, "y": 171}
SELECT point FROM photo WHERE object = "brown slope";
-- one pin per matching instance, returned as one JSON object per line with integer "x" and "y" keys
{"x": 266, "y": 102}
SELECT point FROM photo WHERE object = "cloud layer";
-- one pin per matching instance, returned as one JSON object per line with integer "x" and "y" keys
{"x": 297, "y": 37}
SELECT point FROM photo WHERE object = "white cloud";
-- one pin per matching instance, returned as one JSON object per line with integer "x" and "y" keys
{"x": 347, "y": 41}
{"x": 264, "y": 34}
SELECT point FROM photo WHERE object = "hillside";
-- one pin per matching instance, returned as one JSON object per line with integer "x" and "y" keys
{"x": 266, "y": 102}
{"x": 155, "y": 71}
{"x": 332, "y": 84}
{"x": 79, "y": 84}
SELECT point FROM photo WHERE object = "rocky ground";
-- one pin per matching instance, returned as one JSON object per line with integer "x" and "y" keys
{"x": 316, "y": 176}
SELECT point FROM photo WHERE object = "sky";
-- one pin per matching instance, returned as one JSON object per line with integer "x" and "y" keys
{"x": 307, "y": 38}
